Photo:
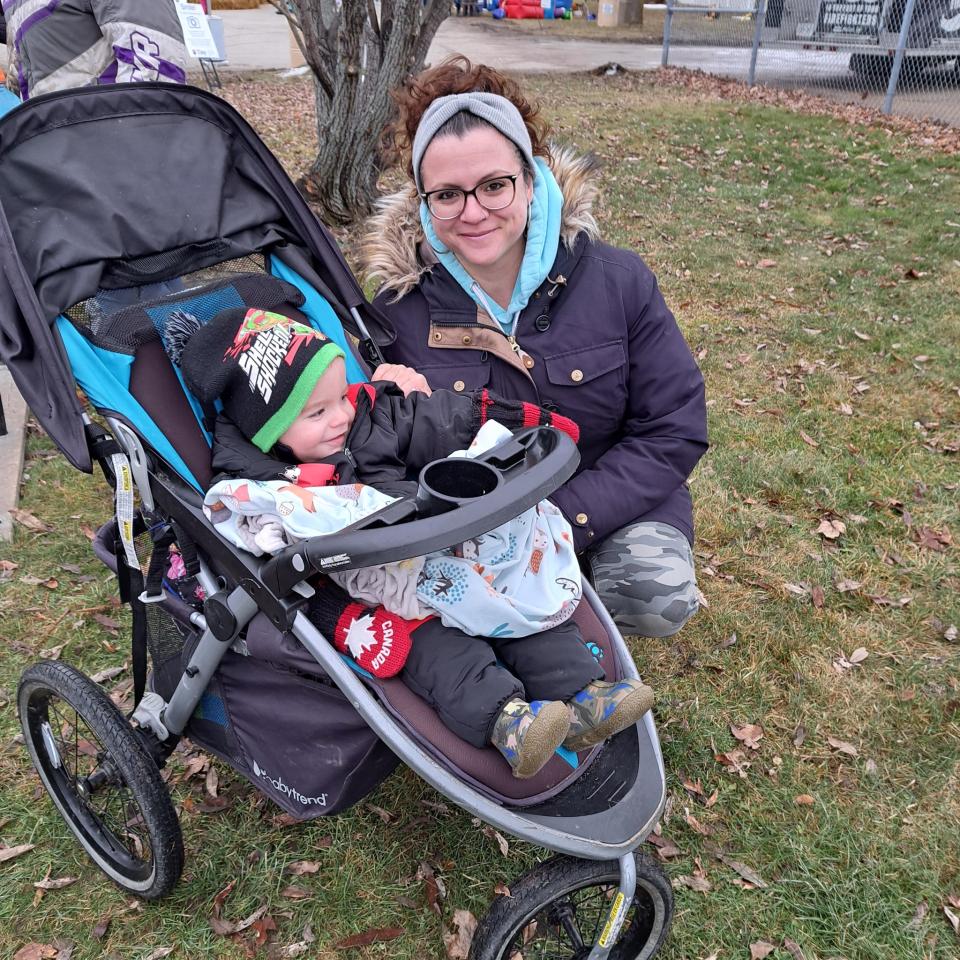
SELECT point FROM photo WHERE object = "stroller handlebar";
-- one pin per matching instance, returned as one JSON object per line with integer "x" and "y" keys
{"x": 457, "y": 498}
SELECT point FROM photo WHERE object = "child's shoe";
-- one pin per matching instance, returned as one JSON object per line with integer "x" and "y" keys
{"x": 602, "y": 709}
{"x": 528, "y": 733}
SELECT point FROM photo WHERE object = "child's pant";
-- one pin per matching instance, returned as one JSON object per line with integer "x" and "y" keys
{"x": 461, "y": 678}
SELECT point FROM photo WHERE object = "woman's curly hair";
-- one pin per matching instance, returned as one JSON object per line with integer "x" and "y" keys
{"x": 456, "y": 74}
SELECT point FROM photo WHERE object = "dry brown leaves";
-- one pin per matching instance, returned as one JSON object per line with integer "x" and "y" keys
{"x": 459, "y": 940}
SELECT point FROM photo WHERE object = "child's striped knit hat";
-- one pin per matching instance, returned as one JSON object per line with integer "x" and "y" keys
{"x": 261, "y": 365}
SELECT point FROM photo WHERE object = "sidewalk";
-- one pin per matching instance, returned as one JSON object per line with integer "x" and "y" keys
{"x": 260, "y": 40}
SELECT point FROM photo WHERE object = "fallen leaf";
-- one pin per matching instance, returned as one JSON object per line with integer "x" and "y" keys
{"x": 930, "y": 539}
{"x": 459, "y": 940}
{"x": 808, "y": 440}
{"x": 107, "y": 674}
{"x": 700, "y": 884}
{"x": 28, "y": 520}
{"x": 861, "y": 336}
{"x": 300, "y": 867}
{"x": 918, "y": 916}
{"x": 431, "y": 888}
{"x": 212, "y": 781}
{"x": 158, "y": 953}
{"x": 101, "y": 927}
{"x": 694, "y": 824}
{"x": 843, "y": 747}
{"x": 8, "y": 853}
{"x": 748, "y": 733}
{"x": 500, "y": 839}
{"x": 803, "y": 800}
{"x": 793, "y": 948}
{"x": 502, "y": 890}
{"x": 761, "y": 949}
{"x": 799, "y": 735}
{"x": 953, "y": 918}
{"x": 831, "y": 529}
{"x": 665, "y": 848}
{"x": 385, "y": 815}
{"x": 847, "y": 586}
{"x": 262, "y": 928}
{"x": 57, "y": 884}
{"x": 375, "y": 935}
{"x": 36, "y": 951}
{"x": 817, "y": 596}
{"x": 290, "y": 950}
{"x": 765, "y": 264}
{"x": 751, "y": 876}
{"x": 108, "y": 623}
{"x": 295, "y": 892}
{"x": 858, "y": 655}
{"x": 735, "y": 760}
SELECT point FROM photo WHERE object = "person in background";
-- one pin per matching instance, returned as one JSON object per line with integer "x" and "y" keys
{"x": 493, "y": 275}
{"x": 78, "y": 43}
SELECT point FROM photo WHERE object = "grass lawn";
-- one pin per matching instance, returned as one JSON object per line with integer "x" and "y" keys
{"x": 814, "y": 266}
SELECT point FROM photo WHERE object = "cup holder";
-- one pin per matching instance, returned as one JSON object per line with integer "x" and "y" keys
{"x": 445, "y": 484}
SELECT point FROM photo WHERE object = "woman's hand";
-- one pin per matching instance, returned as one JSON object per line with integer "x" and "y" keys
{"x": 406, "y": 378}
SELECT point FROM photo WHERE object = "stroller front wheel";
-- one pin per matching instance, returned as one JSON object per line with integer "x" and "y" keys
{"x": 558, "y": 910}
{"x": 102, "y": 778}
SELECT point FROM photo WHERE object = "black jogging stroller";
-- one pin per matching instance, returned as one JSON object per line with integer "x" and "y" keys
{"x": 119, "y": 208}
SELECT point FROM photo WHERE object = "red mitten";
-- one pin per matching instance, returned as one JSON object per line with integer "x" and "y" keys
{"x": 377, "y": 640}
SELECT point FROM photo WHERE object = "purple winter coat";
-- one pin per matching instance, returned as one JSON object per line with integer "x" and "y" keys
{"x": 596, "y": 342}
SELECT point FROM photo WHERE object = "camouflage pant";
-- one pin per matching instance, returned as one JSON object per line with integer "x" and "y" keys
{"x": 644, "y": 575}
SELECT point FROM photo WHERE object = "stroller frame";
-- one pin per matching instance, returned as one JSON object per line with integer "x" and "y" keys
{"x": 239, "y": 587}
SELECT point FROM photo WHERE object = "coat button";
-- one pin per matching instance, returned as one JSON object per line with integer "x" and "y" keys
{"x": 542, "y": 323}
{"x": 582, "y": 518}
{"x": 459, "y": 386}
{"x": 467, "y": 338}
{"x": 576, "y": 375}
{"x": 438, "y": 336}
{"x": 528, "y": 362}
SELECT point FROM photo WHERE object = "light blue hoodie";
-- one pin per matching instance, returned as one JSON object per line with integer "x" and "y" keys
{"x": 543, "y": 241}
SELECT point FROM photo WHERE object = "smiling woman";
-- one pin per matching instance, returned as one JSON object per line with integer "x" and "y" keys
{"x": 493, "y": 275}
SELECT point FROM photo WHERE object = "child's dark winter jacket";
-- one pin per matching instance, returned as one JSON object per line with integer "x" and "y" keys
{"x": 392, "y": 438}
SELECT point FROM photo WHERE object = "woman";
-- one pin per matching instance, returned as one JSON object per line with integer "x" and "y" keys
{"x": 493, "y": 275}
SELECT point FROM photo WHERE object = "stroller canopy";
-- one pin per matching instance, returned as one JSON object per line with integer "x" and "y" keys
{"x": 105, "y": 188}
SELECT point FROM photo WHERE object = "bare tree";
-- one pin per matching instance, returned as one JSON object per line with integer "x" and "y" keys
{"x": 357, "y": 51}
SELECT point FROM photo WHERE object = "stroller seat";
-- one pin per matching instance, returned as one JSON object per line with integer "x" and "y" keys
{"x": 142, "y": 330}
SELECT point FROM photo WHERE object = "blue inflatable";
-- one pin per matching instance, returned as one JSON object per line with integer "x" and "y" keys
{"x": 7, "y": 101}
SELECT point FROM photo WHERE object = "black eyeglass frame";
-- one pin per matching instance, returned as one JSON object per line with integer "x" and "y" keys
{"x": 512, "y": 177}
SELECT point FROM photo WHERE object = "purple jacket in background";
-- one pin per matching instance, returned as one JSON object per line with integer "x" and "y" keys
{"x": 606, "y": 351}
{"x": 76, "y": 43}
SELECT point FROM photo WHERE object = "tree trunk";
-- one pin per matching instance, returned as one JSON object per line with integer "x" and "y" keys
{"x": 356, "y": 58}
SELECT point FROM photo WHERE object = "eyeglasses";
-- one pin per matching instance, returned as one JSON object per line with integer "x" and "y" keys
{"x": 493, "y": 194}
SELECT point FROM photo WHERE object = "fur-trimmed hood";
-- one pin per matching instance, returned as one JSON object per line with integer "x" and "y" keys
{"x": 391, "y": 246}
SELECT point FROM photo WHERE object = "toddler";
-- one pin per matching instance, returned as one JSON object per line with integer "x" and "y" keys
{"x": 289, "y": 414}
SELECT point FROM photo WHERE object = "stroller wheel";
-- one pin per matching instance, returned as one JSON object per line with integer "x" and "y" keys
{"x": 102, "y": 778}
{"x": 558, "y": 910}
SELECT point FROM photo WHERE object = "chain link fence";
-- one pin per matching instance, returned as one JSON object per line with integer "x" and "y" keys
{"x": 900, "y": 56}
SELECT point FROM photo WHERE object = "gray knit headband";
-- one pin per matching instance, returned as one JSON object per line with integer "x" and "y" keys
{"x": 498, "y": 111}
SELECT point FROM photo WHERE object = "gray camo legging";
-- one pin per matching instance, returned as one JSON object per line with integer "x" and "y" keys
{"x": 643, "y": 574}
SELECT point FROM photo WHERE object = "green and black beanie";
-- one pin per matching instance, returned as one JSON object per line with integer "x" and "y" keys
{"x": 262, "y": 366}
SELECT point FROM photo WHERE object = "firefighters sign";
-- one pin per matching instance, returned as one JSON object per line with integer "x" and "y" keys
{"x": 849, "y": 18}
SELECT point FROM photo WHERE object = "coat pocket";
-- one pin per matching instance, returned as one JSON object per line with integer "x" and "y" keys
{"x": 461, "y": 378}
{"x": 576, "y": 368}
{"x": 589, "y": 385}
